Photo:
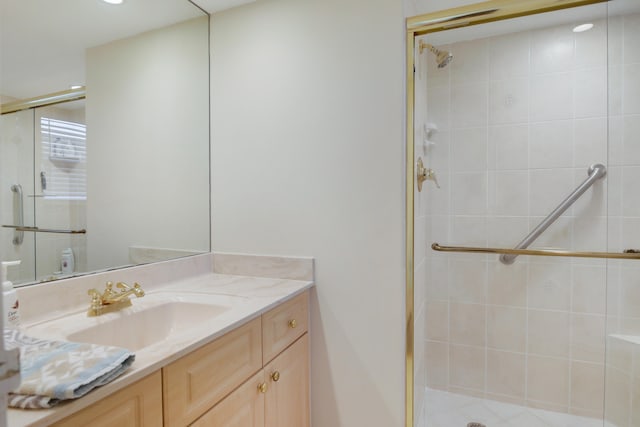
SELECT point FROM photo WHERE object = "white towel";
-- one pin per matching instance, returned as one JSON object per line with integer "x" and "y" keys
{"x": 53, "y": 371}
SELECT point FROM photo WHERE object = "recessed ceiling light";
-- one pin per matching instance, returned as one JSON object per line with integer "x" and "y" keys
{"x": 583, "y": 27}
{"x": 113, "y": 1}
{"x": 74, "y": 87}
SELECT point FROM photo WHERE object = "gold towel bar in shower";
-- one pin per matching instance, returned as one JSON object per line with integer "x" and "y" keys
{"x": 44, "y": 230}
{"x": 627, "y": 254}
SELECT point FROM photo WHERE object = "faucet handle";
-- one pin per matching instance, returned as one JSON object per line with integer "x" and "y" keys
{"x": 123, "y": 286}
{"x": 96, "y": 302}
{"x": 137, "y": 290}
{"x": 108, "y": 291}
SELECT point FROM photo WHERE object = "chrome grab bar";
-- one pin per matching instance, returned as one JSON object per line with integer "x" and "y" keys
{"x": 21, "y": 229}
{"x": 18, "y": 213}
{"x": 595, "y": 172}
{"x": 627, "y": 254}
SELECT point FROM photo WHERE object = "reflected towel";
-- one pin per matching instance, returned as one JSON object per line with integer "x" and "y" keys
{"x": 53, "y": 371}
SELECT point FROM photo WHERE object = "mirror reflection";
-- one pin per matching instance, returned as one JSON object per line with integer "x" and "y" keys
{"x": 121, "y": 176}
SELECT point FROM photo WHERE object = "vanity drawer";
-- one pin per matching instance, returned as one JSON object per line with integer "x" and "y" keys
{"x": 283, "y": 325}
{"x": 138, "y": 405}
{"x": 199, "y": 380}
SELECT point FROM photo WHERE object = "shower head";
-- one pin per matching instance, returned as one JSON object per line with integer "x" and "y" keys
{"x": 443, "y": 57}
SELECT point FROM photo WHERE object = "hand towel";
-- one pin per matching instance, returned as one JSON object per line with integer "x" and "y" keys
{"x": 54, "y": 371}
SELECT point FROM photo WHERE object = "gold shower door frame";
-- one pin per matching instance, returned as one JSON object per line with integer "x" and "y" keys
{"x": 416, "y": 26}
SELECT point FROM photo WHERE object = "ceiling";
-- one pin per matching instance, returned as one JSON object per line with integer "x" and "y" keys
{"x": 42, "y": 42}
{"x": 213, "y": 6}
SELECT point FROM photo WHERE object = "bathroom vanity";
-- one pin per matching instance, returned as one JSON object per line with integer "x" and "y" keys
{"x": 246, "y": 364}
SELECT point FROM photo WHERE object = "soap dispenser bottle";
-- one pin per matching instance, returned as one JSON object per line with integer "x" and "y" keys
{"x": 10, "y": 298}
{"x": 68, "y": 262}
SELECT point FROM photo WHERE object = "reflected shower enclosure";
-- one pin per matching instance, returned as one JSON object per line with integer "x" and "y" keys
{"x": 526, "y": 263}
{"x": 43, "y": 190}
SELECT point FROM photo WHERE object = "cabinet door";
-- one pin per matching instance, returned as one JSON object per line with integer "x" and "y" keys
{"x": 287, "y": 397}
{"x": 138, "y": 405}
{"x": 196, "y": 382}
{"x": 242, "y": 408}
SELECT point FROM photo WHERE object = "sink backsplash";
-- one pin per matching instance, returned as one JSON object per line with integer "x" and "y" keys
{"x": 52, "y": 299}
{"x": 49, "y": 299}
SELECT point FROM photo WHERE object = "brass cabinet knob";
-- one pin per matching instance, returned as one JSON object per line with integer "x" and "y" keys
{"x": 275, "y": 376}
{"x": 293, "y": 323}
{"x": 262, "y": 388}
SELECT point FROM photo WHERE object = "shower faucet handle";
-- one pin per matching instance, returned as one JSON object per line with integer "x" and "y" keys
{"x": 431, "y": 176}
{"x": 425, "y": 174}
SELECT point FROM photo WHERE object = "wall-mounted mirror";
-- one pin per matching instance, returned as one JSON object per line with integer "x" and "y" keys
{"x": 120, "y": 176}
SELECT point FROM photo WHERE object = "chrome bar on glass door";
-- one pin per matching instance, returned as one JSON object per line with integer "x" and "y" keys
{"x": 18, "y": 213}
{"x": 627, "y": 254}
{"x": 595, "y": 173}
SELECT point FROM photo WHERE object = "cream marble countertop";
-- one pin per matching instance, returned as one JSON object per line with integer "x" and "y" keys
{"x": 242, "y": 298}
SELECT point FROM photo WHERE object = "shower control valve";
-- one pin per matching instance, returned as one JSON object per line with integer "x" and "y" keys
{"x": 425, "y": 174}
{"x": 431, "y": 175}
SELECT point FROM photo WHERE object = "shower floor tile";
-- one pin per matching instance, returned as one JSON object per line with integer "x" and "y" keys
{"x": 443, "y": 409}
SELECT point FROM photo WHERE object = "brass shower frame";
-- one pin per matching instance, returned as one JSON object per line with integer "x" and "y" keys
{"x": 44, "y": 100}
{"x": 416, "y": 26}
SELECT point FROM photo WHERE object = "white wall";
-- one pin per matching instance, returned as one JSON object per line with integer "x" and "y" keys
{"x": 307, "y": 159}
{"x": 160, "y": 156}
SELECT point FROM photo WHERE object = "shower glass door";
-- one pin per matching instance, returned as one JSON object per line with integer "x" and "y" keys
{"x": 622, "y": 385}
{"x": 510, "y": 126}
{"x": 43, "y": 184}
{"x": 17, "y": 132}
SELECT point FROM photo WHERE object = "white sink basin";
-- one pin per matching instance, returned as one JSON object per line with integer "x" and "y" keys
{"x": 135, "y": 330}
{"x": 156, "y": 317}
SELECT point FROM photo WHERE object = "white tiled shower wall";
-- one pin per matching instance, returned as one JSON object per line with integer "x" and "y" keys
{"x": 622, "y": 403}
{"x": 520, "y": 118}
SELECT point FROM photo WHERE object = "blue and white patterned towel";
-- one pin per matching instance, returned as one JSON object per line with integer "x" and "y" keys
{"x": 53, "y": 371}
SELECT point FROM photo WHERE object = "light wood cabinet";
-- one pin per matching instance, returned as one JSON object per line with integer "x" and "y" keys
{"x": 139, "y": 405}
{"x": 197, "y": 381}
{"x": 242, "y": 408}
{"x": 217, "y": 385}
{"x": 282, "y": 402}
{"x": 284, "y": 399}
{"x": 283, "y": 325}
{"x": 287, "y": 397}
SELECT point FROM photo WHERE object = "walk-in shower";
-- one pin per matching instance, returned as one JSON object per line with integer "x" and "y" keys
{"x": 41, "y": 219}
{"x": 525, "y": 108}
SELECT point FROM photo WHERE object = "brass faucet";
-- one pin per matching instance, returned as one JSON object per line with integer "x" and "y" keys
{"x": 111, "y": 300}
